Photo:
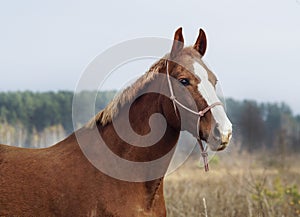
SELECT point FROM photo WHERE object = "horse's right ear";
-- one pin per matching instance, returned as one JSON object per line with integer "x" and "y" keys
{"x": 178, "y": 43}
{"x": 201, "y": 43}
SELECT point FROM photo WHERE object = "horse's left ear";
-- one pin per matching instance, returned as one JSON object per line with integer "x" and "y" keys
{"x": 201, "y": 43}
{"x": 178, "y": 43}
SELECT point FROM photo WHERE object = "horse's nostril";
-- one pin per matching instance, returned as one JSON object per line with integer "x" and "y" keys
{"x": 216, "y": 132}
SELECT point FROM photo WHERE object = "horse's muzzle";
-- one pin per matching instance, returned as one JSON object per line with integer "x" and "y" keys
{"x": 219, "y": 141}
{"x": 225, "y": 140}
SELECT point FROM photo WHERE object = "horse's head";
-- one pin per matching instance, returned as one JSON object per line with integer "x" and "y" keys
{"x": 186, "y": 66}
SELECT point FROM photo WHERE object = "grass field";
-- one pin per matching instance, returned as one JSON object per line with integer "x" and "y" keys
{"x": 237, "y": 185}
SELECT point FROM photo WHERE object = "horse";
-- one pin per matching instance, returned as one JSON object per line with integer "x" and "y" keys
{"x": 61, "y": 181}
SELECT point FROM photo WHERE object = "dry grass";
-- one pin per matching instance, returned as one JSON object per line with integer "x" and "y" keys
{"x": 239, "y": 185}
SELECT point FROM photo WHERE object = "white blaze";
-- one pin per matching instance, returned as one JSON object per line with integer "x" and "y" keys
{"x": 208, "y": 92}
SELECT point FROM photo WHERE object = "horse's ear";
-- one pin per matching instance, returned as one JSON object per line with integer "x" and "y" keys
{"x": 178, "y": 43}
{"x": 201, "y": 43}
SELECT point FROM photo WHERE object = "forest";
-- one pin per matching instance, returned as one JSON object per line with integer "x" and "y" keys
{"x": 36, "y": 120}
{"x": 39, "y": 119}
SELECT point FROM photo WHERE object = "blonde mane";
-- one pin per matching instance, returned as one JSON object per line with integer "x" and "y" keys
{"x": 106, "y": 115}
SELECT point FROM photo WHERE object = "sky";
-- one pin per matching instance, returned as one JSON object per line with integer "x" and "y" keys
{"x": 253, "y": 46}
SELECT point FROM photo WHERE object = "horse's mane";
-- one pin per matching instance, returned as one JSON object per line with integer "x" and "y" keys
{"x": 106, "y": 115}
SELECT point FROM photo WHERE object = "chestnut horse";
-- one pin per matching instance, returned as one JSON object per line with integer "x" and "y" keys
{"x": 62, "y": 181}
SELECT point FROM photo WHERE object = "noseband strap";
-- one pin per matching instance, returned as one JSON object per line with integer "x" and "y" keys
{"x": 200, "y": 114}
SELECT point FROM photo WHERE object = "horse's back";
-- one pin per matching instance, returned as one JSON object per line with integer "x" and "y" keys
{"x": 13, "y": 158}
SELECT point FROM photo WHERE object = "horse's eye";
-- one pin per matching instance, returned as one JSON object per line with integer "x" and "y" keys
{"x": 184, "y": 81}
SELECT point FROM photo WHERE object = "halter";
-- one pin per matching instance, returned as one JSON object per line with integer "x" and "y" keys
{"x": 200, "y": 114}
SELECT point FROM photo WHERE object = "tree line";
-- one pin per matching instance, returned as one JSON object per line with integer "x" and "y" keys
{"x": 38, "y": 119}
{"x": 35, "y": 119}
{"x": 269, "y": 126}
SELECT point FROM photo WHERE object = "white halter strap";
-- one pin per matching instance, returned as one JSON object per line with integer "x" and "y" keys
{"x": 200, "y": 114}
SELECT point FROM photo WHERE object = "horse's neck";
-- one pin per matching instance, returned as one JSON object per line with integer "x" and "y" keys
{"x": 140, "y": 112}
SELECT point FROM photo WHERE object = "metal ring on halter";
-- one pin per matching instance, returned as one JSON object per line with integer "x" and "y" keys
{"x": 200, "y": 114}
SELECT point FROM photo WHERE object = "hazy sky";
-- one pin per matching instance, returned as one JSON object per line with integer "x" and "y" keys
{"x": 253, "y": 46}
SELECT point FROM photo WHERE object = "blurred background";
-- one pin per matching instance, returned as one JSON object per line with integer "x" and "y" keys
{"x": 253, "y": 47}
